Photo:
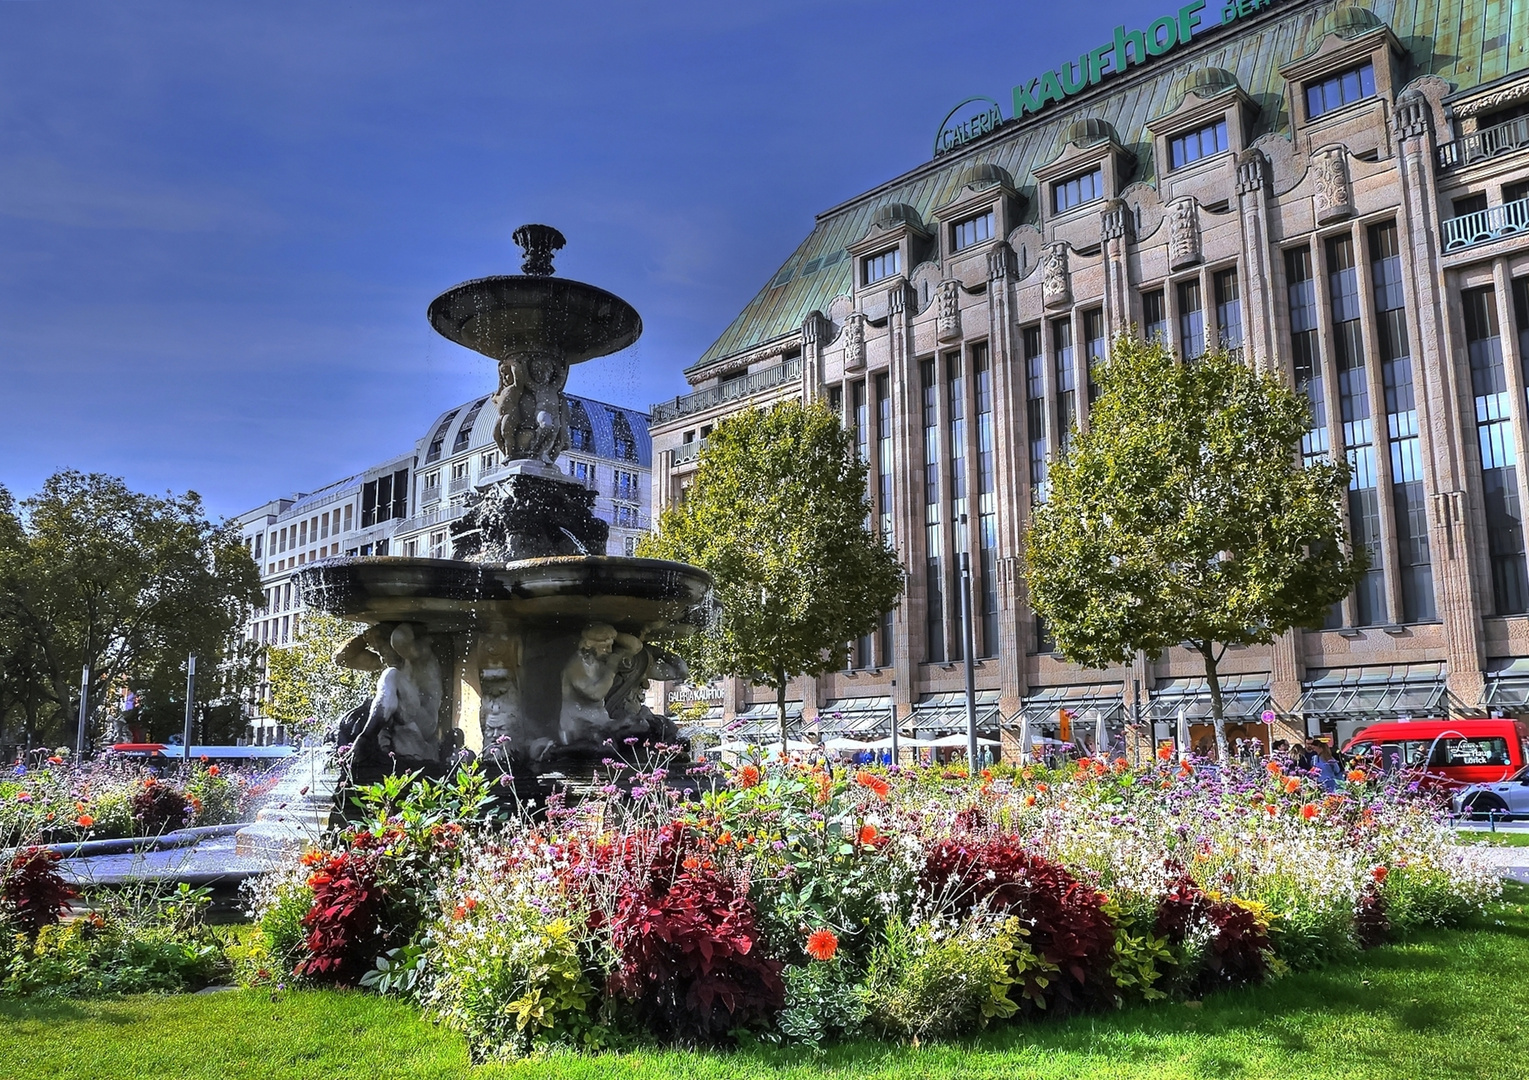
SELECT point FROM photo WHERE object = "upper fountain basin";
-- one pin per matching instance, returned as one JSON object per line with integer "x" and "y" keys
{"x": 446, "y": 594}
{"x": 514, "y": 314}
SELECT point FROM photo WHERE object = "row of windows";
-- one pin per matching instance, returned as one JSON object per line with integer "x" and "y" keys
{"x": 302, "y": 533}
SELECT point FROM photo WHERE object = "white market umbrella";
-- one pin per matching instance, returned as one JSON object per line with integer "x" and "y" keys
{"x": 902, "y": 740}
{"x": 793, "y": 746}
{"x": 1183, "y": 734}
{"x": 959, "y": 739}
{"x": 842, "y": 743}
{"x": 1026, "y": 738}
{"x": 1101, "y": 736}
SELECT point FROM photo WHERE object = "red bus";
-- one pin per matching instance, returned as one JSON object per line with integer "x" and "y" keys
{"x": 1453, "y": 753}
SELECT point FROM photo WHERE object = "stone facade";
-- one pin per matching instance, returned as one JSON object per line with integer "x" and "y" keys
{"x": 1376, "y": 254}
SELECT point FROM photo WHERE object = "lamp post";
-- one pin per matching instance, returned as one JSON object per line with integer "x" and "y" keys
{"x": 79, "y": 735}
{"x": 968, "y": 646}
{"x": 190, "y": 705}
{"x": 892, "y": 701}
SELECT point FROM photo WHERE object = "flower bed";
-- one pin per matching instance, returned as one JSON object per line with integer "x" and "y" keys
{"x": 801, "y": 905}
{"x": 109, "y": 799}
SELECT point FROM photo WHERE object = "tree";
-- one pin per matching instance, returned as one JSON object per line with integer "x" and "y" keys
{"x": 778, "y": 515}
{"x": 306, "y": 684}
{"x": 93, "y": 573}
{"x": 1183, "y": 514}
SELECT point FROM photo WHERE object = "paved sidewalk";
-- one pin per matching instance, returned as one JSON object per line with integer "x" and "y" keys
{"x": 1509, "y": 862}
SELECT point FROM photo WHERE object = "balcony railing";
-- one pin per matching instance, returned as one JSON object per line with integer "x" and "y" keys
{"x": 438, "y": 516}
{"x": 685, "y": 453}
{"x": 1484, "y": 226}
{"x": 460, "y": 484}
{"x": 728, "y": 390}
{"x": 430, "y": 493}
{"x": 1480, "y": 145}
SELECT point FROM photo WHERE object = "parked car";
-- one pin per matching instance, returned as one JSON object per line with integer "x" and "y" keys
{"x": 1508, "y": 799}
{"x": 1447, "y": 753}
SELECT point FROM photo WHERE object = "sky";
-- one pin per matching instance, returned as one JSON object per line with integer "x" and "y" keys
{"x": 221, "y": 223}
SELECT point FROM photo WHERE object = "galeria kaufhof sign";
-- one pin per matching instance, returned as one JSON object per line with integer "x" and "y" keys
{"x": 977, "y": 117}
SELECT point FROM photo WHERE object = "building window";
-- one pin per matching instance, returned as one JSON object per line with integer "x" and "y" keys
{"x": 458, "y": 470}
{"x": 955, "y": 405}
{"x": 1154, "y": 316}
{"x": 581, "y": 434}
{"x": 625, "y": 514}
{"x": 1066, "y": 384}
{"x": 1035, "y": 411}
{"x": 626, "y": 484}
{"x": 621, "y": 431}
{"x": 438, "y": 440}
{"x": 1305, "y": 357}
{"x": 1191, "y": 320}
{"x": 465, "y": 430}
{"x": 987, "y": 501}
{"x": 387, "y": 497}
{"x": 302, "y": 534}
{"x": 488, "y": 461}
{"x": 1093, "y": 347}
{"x": 882, "y": 265}
{"x": 1086, "y": 187}
{"x": 1413, "y": 566}
{"x": 410, "y": 548}
{"x": 348, "y": 506}
{"x": 884, "y": 494}
{"x": 1194, "y": 145}
{"x": 836, "y": 402}
{"x": 971, "y": 231}
{"x": 1345, "y": 88}
{"x": 1228, "y": 310}
{"x": 1499, "y": 454}
{"x": 438, "y": 544}
{"x": 934, "y": 614}
{"x": 1358, "y": 427}
{"x": 584, "y": 472}
{"x": 629, "y": 546}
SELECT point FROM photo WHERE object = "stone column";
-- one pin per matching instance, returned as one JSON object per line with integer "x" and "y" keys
{"x": 814, "y": 336}
{"x": 1115, "y": 231}
{"x": 1257, "y": 276}
{"x": 1010, "y": 456}
{"x": 1440, "y": 413}
{"x": 908, "y": 496}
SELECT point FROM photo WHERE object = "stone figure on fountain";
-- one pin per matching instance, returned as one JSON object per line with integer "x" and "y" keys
{"x": 533, "y": 410}
{"x": 403, "y": 722}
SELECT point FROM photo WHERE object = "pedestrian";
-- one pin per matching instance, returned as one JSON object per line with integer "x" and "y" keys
{"x": 1326, "y": 767}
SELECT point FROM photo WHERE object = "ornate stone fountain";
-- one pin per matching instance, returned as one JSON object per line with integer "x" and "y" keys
{"x": 525, "y": 649}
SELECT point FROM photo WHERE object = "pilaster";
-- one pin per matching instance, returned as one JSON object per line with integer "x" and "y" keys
{"x": 1115, "y": 233}
{"x": 1009, "y": 454}
{"x": 1257, "y": 275}
{"x": 907, "y": 512}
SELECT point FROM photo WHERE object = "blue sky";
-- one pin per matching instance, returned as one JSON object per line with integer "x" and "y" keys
{"x": 220, "y": 223}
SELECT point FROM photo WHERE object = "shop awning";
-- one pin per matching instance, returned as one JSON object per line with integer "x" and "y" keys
{"x": 1507, "y": 686}
{"x": 851, "y": 716}
{"x": 1379, "y": 691}
{"x": 1084, "y": 702}
{"x": 943, "y": 714}
{"x": 761, "y": 719}
{"x": 1243, "y": 697}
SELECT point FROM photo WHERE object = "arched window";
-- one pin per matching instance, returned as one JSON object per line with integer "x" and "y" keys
{"x": 439, "y": 438}
{"x": 464, "y": 433}
{"x": 626, "y": 442}
{"x": 581, "y": 434}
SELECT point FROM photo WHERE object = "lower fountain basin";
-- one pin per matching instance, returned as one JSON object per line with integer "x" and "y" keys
{"x": 633, "y": 595}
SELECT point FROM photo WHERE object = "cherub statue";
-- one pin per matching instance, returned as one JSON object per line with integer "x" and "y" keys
{"x": 533, "y": 411}
{"x": 404, "y": 720}
{"x": 588, "y": 677}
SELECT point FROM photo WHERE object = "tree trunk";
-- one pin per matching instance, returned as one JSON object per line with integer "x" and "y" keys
{"x": 780, "y": 707}
{"x": 1213, "y": 680}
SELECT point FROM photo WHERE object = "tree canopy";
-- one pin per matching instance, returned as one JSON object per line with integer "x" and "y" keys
{"x": 778, "y": 514}
{"x": 1184, "y": 515}
{"x": 94, "y": 573}
{"x": 308, "y": 689}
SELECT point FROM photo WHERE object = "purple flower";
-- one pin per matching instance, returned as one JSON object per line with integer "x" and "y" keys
{"x": 639, "y": 791}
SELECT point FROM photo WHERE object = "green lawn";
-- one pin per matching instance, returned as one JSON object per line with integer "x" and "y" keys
{"x": 1443, "y": 1005}
{"x": 1495, "y": 839}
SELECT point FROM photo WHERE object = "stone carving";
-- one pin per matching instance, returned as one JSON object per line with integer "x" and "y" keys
{"x": 1115, "y": 221}
{"x": 897, "y": 298}
{"x": 854, "y": 341}
{"x": 404, "y": 722}
{"x": 533, "y": 410}
{"x": 815, "y": 328}
{"x": 1508, "y": 95}
{"x": 1331, "y": 184}
{"x": 589, "y": 676}
{"x": 538, "y": 242}
{"x": 1056, "y": 287}
{"x": 529, "y": 517}
{"x": 1183, "y": 233}
{"x": 1000, "y": 262}
{"x": 948, "y": 315}
{"x": 499, "y": 690}
{"x": 626, "y": 703}
{"x": 1414, "y": 116}
{"x": 1252, "y": 172}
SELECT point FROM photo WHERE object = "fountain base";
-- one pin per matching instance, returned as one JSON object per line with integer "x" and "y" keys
{"x": 530, "y": 515}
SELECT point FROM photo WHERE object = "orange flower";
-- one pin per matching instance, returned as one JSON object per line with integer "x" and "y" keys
{"x": 876, "y": 783}
{"x": 987, "y": 774}
{"x": 748, "y": 776}
{"x": 1379, "y": 873}
{"x": 1121, "y": 764}
{"x": 1271, "y": 808}
{"x": 459, "y": 913}
{"x": 470, "y": 903}
{"x": 1309, "y": 811}
{"x": 725, "y": 839}
{"x": 691, "y": 863}
{"x": 84, "y": 821}
{"x": 868, "y": 834}
{"x": 1274, "y": 767}
{"x": 55, "y": 760}
{"x": 1186, "y": 769}
{"x": 822, "y": 944}
{"x": 312, "y": 858}
{"x": 825, "y": 786}
{"x": 212, "y": 770}
{"x": 1164, "y": 752}
{"x": 1357, "y": 776}
{"x": 1042, "y": 788}
{"x": 1292, "y": 785}
{"x": 1029, "y": 800}
{"x": 315, "y": 880}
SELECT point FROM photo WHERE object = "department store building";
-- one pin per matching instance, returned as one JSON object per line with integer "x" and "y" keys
{"x": 1340, "y": 192}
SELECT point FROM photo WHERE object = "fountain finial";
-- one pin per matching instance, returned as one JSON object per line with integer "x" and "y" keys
{"x": 538, "y": 242}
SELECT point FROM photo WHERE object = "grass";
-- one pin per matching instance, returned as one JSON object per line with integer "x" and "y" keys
{"x": 1443, "y": 1005}
{"x": 1518, "y": 838}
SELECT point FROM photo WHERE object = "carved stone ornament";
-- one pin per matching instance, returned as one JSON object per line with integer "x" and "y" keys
{"x": 1508, "y": 95}
{"x": 1000, "y": 262}
{"x": 815, "y": 328}
{"x": 897, "y": 298}
{"x": 948, "y": 315}
{"x": 1056, "y": 286}
{"x": 402, "y": 725}
{"x": 854, "y": 341}
{"x": 1183, "y": 234}
{"x": 1252, "y": 172}
{"x": 1115, "y": 221}
{"x": 1333, "y": 198}
{"x": 1414, "y": 116}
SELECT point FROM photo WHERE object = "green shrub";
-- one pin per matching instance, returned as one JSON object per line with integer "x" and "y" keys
{"x": 927, "y": 986}
{"x": 822, "y": 1002}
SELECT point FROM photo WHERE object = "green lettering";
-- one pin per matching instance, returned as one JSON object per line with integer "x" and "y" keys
{"x": 1024, "y": 101}
{"x": 1189, "y": 18}
{"x": 1069, "y": 84}
{"x": 1050, "y": 89}
{"x": 1157, "y": 44}
{"x": 1096, "y": 63}
{"x": 1126, "y": 43}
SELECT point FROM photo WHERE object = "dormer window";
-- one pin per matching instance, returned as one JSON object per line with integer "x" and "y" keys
{"x": 1080, "y": 189}
{"x": 882, "y": 265}
{"x": 1344, "y": 88}
{"x": 1194, "y": 145}
{"x": 971, "y": 231}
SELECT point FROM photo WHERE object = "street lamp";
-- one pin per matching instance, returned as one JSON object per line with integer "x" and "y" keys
{"x": 968, "y": 647}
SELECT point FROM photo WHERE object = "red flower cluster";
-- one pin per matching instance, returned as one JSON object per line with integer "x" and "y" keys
{"x": 877, "y": 784}
{"x": 159, "y": 808}
{"x": 1239, "y": 948}
{"x": 343, "y": 923}
{"x": 33, "y": 891}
